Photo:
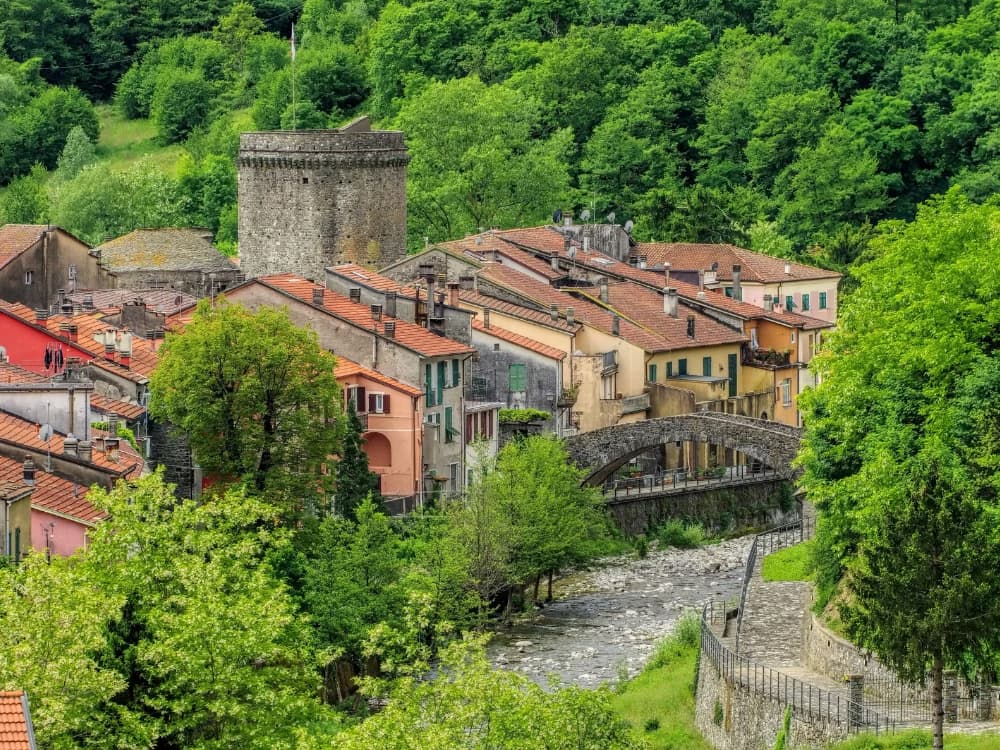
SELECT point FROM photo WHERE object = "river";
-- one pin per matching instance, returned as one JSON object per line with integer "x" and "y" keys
{"x": 607, "y": 620}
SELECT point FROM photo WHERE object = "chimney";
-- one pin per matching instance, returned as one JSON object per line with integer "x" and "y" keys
{"x": 125, "y": 348}
{"x": 602, "y": 289}
{"x": 666, "y": 272}
{"x": 466, "y": 282}
{"x": 112, "y": 424}
{"x": 554, "y": 311}
{"x": 643, "y": 260}
{"x": 567, "y": 242}
{"x": 768, "y": 303}
{"x": 425, "y": 271}
{"x": 691, "y": 326}
{"x": 390, "y": 304}
{"x": 570, "y": 318}
{"x": 42, "y": 316}
{"x": 73, "y": 332}
{"x": 376, "y": 312}
{"x": 586, "y": 244}
{"x": 86, "y": 449}
{"x": 555, "y": 263}
{"x": 29, "y": 471}
{"x": 567, "y": 218}
{"x": 88, "y": 302}
{"x": 737, "y": 289}
{"x": 66, "y": 308}
{"x": 355, "y": 294}
{"x": 318, "y": 296}
{"x": 390, "y": 329}
{"x": 453, "y": 288}
{"x": 486, "y": 318}
{"x": 64, "y": 330}
{"x": 109, "y": 352}
{"x": 70, "y": 446}
{"x": 788, "y": 269}
{"x": 701, "y": 280}
{"x": 615, "y": 325}
{"x": 670, "y": 301}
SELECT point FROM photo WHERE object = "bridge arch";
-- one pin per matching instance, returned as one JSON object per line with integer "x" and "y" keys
{"x": 603, "y": 451}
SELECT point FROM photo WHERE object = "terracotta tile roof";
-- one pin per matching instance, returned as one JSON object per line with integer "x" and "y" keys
{"x": 373, "y": 280}
{"x": 755, "y": 267}
{"x": 476, "y": 299}
{"x": 345, "y": 368}
{"x": 409, "y": 335}
{"x": 163, "y": 301}
{"x": 16, "y": 238}
{"x": 53, "y": 494}
{"x": 13, "y": 374}
{"x": 494, "y": 245}
{"x": 16, "y": 732}
{"x": 548, "y": 239}
{"x": 169, "y": 249}
{"x": 515, "y": 338}
{"x": 115, "y": 406}
{"x": 21, "y": 432}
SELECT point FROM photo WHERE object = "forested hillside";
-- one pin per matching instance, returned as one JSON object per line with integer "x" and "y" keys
{"x": 790, "y": 126}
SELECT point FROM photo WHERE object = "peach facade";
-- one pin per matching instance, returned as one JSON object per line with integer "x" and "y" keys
{"x": 56, "y": 534}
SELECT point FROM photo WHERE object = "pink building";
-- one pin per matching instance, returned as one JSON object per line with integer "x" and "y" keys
{"x": 393, "y": 419}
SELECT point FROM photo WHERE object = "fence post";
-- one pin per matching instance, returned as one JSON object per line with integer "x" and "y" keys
{"x": 856, "y": 697}
{"x": 950, "y": 696}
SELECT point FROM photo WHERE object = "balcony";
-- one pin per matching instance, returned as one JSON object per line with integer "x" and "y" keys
{"x": 633, "y": 404}
{"x": 766, "y": 357}
{"x": 610, "y": 365}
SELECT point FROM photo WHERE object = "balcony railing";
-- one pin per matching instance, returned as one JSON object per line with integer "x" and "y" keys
{"x": 766, "y": 357}
{"x": 633, "y": 404}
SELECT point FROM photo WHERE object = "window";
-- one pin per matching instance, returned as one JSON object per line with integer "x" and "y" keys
{"x": 729, "y": 291}
{"x": 670, "y": 369}
{"x": 517, "y": 378}
{"x": 470, "y": 432}
{"x": 429, "y": 391}
{"x": 822, "y": 300}
{"x": 682, "y": 367}
{"x": 456, "y": 372}
{"x": 706, "y": 366}
{"x": 789, "y": 302}
{"x": 805, "y": 302}
{"x": 786, "y": 392}
{"x": 496, "y": 347}
{"x": 356, "y": 398}
{"x": 378, "y": 403}
{"x": 449, "y": 427}
{"x": 609, "y": 384}
{"x": 453, "y": 477}
{"x": 652, "y": 373}
{"x": 29, "y": 276}
{"x": 71, "y": 273}
{"x": 442, "y": 370}
{"x": 434, "y": 418}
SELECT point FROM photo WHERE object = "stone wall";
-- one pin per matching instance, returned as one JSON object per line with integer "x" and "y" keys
{"x": 827, "y": 653}
{"x": 734, "y": 718}
{"x": 311, "y": 199}
{"x": 169, "y": 448}
{"x": 717, "y": 508}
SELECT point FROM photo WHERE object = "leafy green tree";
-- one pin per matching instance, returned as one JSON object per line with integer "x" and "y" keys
{"x": 236, "y": 31}
{"x": 900, "y": 447}
{"x": 475, "y": 162}
{"x": 76, "y": 154}
{"x": 468, "y": 704}
{"x": 355, "y": 481}
{"x": 257, "y": 399}
{"x": 208, "y": 187}
{"x": 181, "y": 102}
{"x": 25, "y": 200}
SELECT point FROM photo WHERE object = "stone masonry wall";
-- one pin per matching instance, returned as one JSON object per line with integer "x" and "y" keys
{"x": 311, "y": 199}
{"x": 732, "y": 718}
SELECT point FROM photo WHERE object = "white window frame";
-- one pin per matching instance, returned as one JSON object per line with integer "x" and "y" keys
{"x": 379, "y": 403}
{"x": 786, "y": 392}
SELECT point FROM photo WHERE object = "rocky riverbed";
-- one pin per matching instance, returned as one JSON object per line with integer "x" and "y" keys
{"x": 607, "y": 620}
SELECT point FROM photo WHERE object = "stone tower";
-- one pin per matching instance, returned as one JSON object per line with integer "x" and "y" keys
{"x": 314, "y": 198}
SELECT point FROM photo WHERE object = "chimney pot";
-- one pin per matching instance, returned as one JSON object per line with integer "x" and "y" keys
{"x": 71, "y": 446}
{"x": 554, "y": 311}
{"x": 586, "y": 244}
{"x": 86, "y": 450}
{"x": 66, "y": 308}
{"x": 602, "y": 289}
{"x": 453, "y": 290}
{"x": 666, "y": 272}
{"x": 88, "y": 302}
{"x": 615, "y": 325}
{"x": 73, "y": 332}
{"x": 555, "y": 263}
{"x": 29, "y": 471}
{"x": 788, "y": 269}
{"x": 570, "y": 317}
{"x": 670, "y": 301}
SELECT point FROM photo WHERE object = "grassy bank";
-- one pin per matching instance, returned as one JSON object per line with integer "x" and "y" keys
{"x": 789, "y": 564}
{"x": 919, "y": 740}
{"x": 124, "y": 142}
{"x": 659, "y": 702}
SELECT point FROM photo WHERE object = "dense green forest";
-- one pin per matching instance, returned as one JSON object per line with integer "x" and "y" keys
{"x": 791, "y": 126}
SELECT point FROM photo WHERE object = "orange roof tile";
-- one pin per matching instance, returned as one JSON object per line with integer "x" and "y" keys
{"x": 409, "y": 335}
{"x": 373, "y": 280}
{"x": 53, "y": 494}
{"x": 524, "y": 341}
{"x": 346, "y": 368}
{"x": 755, "y": 267}
{"x": 10, "y": 373}
{"x": 476, "y": 299}
{"x": 115, "y": 406}
{"x": 545, "y": 238}
{"x": 16, "y": 238}
{"x": 21, "y": 432}
{"x": 500, "y": 250}
{"x": 16, "y": 732}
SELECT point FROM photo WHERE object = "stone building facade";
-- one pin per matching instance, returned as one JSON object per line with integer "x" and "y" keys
{"x": 312, "y": 199}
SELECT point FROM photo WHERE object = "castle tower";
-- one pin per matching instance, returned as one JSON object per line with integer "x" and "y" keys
{"x": 314, "y": 198}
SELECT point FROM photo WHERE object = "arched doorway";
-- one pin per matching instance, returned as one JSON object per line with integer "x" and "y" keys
{"x": 378, "y": 449}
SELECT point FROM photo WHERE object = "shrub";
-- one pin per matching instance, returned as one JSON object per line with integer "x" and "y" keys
{"x": 522, "y": 416}
{"x": 675, "y": 533}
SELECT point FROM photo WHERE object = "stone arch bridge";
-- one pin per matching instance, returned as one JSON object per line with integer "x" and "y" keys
{"x": 603, "y": 451}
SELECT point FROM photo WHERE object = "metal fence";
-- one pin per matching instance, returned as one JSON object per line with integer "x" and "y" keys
{"x": 910, "y": 703}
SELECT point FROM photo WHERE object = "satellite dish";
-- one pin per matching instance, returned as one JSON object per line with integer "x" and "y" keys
{"x": 628, "y": 226}
{"x": 611, "y": 218}
{"x": 557, "y": 216}
{"x": 45, "y": 434}
{"x": 585, "y": 214}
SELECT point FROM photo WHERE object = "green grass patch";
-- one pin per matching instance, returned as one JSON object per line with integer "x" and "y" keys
{"x": 789, "y": 564}
{"x": 659, "y": 702}
{"x": 124, "y": 142}
{"x": 919, "y": 740}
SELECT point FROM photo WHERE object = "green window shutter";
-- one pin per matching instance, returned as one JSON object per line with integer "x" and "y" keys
{"x": 670, "y": 369}
{"x": 428, "y": 385}
{"x": 517, "y": 378}
{"x": 706, "y": 365}
{"x": 456, "y": 370}
{"x": 805, "y": 301}
{"x": 448, "y": 426}
{"x": 652, "y": 373}
{"x": 682, "y": 367}
{"x": 442, "y": 372}
{"x": 822, "y": 300}
{"x": 789, "y": 302}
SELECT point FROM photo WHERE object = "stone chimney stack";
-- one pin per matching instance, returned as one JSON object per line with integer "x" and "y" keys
{"x": 570, "y": 316}
{"x": 670, "y": 301}
{"x": 86, "y": 449}
{"x": 70, "y": 445}
{"x": 602, "y": 289}
{"x": 666, "y": 272}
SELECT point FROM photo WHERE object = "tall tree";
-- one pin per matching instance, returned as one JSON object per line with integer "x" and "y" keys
{"x": 256, "y": 397}
{"x": 901, "y": 446}
{"x": 355, "y": 481}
